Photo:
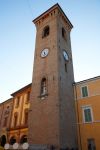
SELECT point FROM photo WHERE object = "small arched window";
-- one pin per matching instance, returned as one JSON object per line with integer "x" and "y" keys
{"x": 43, "y": 86}
{"x": 46, "y": 31}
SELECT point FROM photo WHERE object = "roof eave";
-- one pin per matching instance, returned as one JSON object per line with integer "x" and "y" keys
{"x": 48, "y": 11}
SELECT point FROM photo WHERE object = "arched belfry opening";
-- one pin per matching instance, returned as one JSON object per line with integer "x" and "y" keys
{"x": 46, "y": 31}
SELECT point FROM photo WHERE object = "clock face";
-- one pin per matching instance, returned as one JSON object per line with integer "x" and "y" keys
{"x": 65, "y": 55}
{"x": 44, "y": 52}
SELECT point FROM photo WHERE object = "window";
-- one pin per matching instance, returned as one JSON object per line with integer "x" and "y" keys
{"x": 43, "y": 87}
{"x": 87, "y": 114}
{"x": 91, "y": 144}
{"x": 26, "y": 117}
{"x": 3, "y": 141}
{"x": 23, "y": 139}
{"x": 15, "y": 119}
{"x": 12, "y": 140}
{"x": 28, "y": 97}
{"x": 5, "y": 121}
{"x": 46, "y": 31}
{"x": 84, "y": 91}
{"x": 17, "y": 101}
{"x": 64, "y": 34}
{"x": 65, "y": 67}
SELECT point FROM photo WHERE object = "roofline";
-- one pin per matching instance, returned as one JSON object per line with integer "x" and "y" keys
{"x": 49, "y": 10}
{"x": 6, "y": 101}
{"x": 23, "y": 88}
{"x": 87, "y": 80}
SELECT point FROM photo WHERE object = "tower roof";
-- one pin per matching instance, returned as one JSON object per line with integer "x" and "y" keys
{"x": 50, "y": 10}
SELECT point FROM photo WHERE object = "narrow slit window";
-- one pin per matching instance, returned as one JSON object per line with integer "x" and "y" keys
{"x": 65, "y": 67}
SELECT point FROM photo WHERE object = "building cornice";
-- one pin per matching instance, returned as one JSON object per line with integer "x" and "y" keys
{"x": 22, "y": 89}
{"x": 87, "y": 80}
{"x": 6, "y": 101}
{"x": 49, "y": 11}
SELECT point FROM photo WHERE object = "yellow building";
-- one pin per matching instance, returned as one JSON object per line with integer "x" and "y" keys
{"x": 5, "y": 119}
{"x": 87, "y": 100}
{"x": 19, "y": 120}
{"x": 14, "y": 117}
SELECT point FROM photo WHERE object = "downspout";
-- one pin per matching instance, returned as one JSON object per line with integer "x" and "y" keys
{"x": 77, "y": 115}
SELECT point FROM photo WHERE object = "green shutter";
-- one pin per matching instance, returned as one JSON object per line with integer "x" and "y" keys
{"x": 87, "y": 114}
{"x": 84, "y": 91}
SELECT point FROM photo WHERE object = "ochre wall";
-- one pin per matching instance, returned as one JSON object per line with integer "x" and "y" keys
{"x": 88, "y": 130}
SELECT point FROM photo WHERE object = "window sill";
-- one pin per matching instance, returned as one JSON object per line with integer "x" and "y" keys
{"x": 43, "y": 96}
{"x": 83, "y": 97}
{"x": 45, "y": 36}
{"x": 88, "y": 122}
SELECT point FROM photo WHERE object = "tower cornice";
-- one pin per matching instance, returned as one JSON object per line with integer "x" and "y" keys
{"x": 50, "y": 10}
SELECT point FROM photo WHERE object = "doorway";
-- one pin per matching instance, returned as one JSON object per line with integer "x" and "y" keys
{"x": 91, "y": 144}
{"x": 3, "y": 140}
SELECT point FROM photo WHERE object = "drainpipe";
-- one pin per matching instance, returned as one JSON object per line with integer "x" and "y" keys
{"x": 77, "y": 114}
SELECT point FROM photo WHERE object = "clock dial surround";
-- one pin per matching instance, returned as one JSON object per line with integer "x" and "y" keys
{"x": 44, "y": 52}
{"x": 65, "y": 55}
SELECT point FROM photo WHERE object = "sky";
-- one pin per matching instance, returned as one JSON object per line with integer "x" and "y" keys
{"x": 17, "y": 40}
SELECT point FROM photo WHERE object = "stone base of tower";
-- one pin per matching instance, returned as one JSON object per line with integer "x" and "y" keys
{"x": 42, "y": 147}
{"x": 38, "y": 147}
{"x": 48, "y": 147}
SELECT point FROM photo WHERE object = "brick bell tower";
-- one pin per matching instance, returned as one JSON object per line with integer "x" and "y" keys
{"x": 52, "y": 112}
